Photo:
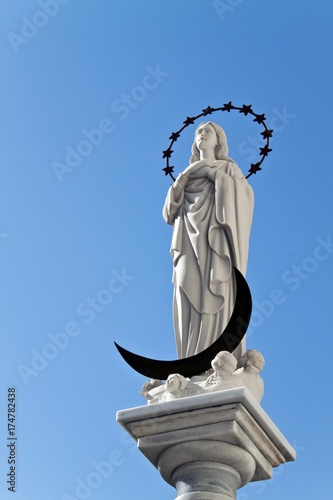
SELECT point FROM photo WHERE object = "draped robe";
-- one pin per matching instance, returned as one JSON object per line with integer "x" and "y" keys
{"x": 211, "y": 217}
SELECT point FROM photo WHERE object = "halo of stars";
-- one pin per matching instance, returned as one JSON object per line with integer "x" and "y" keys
{"x": 245, "y": 110}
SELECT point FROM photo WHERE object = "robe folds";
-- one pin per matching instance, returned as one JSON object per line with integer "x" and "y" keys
{"x": 211, "y": 217}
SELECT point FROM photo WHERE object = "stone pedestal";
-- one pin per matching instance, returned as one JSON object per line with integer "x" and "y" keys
{"x": 208, "y": 446}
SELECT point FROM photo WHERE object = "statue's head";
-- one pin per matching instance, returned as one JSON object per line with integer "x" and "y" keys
{"x": 224, "y": 361}
{"x": 175, "y": 382}
{"x": 254, "y": 358}
{"x": 221, "y": 148}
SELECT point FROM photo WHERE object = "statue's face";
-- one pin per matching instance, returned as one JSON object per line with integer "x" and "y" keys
{"x": 205, "y": 137}
{"x": 216, "y": 363}
{"x": 223, "y": 361}
{"x": 172, "y": 383}
{"x": 252, "y": 360}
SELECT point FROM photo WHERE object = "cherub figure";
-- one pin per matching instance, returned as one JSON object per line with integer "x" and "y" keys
{"x": 224, "y": 364}
{"x": 250, "y": 365}
{"x": 148, "y": 387}
{"x": 175, "y": 387}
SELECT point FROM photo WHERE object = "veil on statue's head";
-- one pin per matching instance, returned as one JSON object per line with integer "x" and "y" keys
{"x": 221, "y": 150}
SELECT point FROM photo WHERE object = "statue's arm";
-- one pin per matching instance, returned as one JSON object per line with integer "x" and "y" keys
{"x": 174, "y": 199}
{"x": 179, "y": 185}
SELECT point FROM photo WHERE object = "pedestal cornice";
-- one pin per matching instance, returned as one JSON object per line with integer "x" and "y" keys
{"x": 227, "y": 429}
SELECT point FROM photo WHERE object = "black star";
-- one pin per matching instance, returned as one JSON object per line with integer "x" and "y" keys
{"x": 266, "y": 133}
{"x": 255, "y": 167}
{"x": 167, "y": 153}
{"x": 246, "y": 109}
{"x": 227, "y": 107}
{"x": 208, "y": 111}
{"x": 189, "y": 120}
{"x": 174, "y": 136}
{"x": 265, "y": 150}
{"x": 260, "y": 118}
{"x": 168, "y": 170}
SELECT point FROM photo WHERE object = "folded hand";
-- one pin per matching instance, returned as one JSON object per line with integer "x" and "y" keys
{"x": 198, "y": 169}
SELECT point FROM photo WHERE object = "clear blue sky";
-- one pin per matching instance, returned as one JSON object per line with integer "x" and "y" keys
{"x": 81, "y": 210}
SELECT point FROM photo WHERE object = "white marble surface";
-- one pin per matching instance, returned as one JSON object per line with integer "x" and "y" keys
{"x": 210, "y": 207}
{"x": 223, "y": 375}
{"x": 227, "y": 427}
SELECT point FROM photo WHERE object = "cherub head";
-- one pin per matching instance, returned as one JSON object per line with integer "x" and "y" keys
{"x": 148, "y": 386}
{"x": 224, "y": 362}
{"x": 175, "y": 382}
{"x": 254, "y": 358}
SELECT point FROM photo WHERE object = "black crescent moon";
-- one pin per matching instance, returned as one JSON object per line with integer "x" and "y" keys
{"x": 193, "y": 365}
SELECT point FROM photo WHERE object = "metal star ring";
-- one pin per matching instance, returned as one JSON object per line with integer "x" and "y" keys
{"x": 245, "y": 110}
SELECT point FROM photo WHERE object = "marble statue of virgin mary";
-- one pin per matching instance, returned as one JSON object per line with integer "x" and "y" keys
{"x": 210, "y": 206}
